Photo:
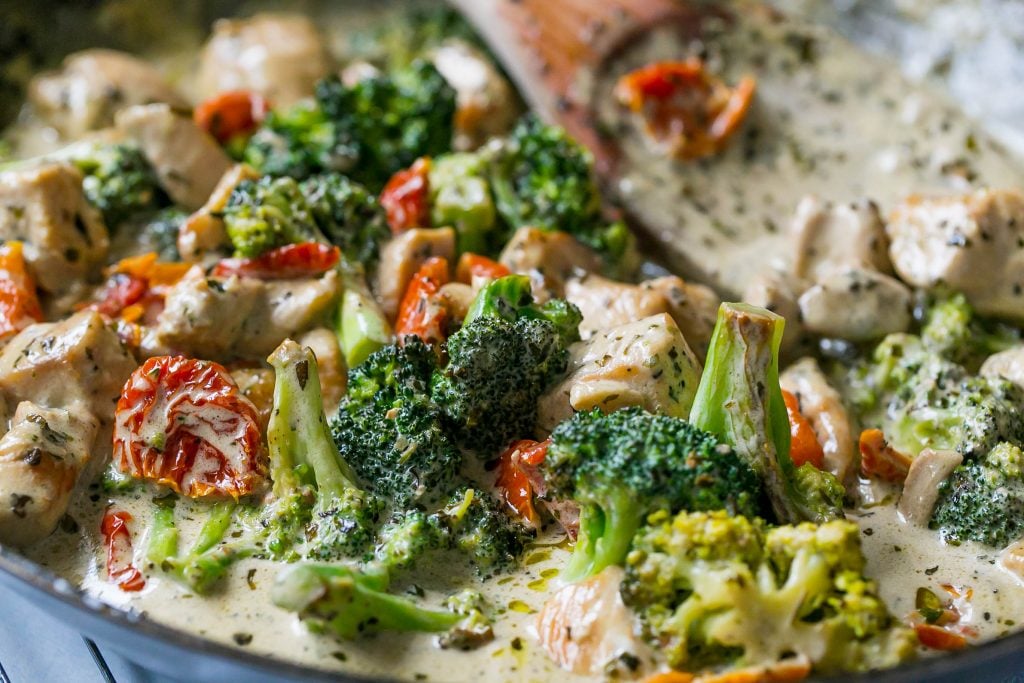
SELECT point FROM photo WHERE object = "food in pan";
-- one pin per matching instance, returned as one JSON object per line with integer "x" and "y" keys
{"x": 345, "y": 357}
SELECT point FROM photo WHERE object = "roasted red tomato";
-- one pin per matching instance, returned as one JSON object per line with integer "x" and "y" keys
{"x": 880, "y": 460}
{"x": 184, "y": 423}
{"x": 422, "y": 313}
{"x": 514, "y": 480}
{"x": 804, "y": 446}
{"x": 406, "y": 198}
{"x": 117, "y": 539}
{"x": 231, "y": 114}
{"x": 306, "y": 259}
{"x": 686, "y": 110}
{"x": 19, "y": 305}
{"x": 476, "y": 266}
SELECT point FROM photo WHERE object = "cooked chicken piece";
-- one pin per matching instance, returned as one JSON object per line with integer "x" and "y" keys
{"x": 549, "y": 258}
{"x": 823, "y": 407}
{"x": 1012, "y": 559}
{"x": 829, "y": 239}
{"x": 606, "y": 303}
{"x": 1008, "y": 364}
{"x": 238, "y": 317}
{"x": 485, "y": 103}
{"x": 587, "y": 629}
{"x": 856, "y": 305}
{"x": 644, "y": 363}
{"x": 41, "y": 457}
{"x": 187, "y": 160}
{"x": 778, "y": 291}
{"x": 280, "y": 56}
{"x": 65, "y": 239}
{"x": 257, "y": 385}
{"x": 401, "y": 258}
{"x": 77, "y": 360}
{"x": 93, "y": 85}
{"x": 204, "y": 230}
{"x": 972, "y": 243}
{"x": 457, "y": 297}
{"x": 333, "y": 373}
{"x": 921, "y": 487}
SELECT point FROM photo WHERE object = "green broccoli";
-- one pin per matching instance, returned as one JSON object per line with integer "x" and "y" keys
{"x": 318, "y": 502}
{"x": 983, "y": 499}
{"x": 952, "y": 331}
{"x": 264, "y": 214}
{"x": 390, "y": 432}
{"x": 349, "y": 215}
{"x": 460, "y": 196}
{"x": 543, "y": 178}
{"x": 350, "y": 603}
{"x": 507, "y": 353}
{"x": 117, "y": 180}
{"x": 714, "y": 591}
{"x": 740, "y": 401}
{"x": 476, "y": 524}
{"x": 368, "y": 130}
{"x": 155, "y": 231}
{"x": 400, "y": 41}
{"x": 620, "y": 467}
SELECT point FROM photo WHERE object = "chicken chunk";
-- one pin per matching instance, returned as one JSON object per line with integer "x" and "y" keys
{"x": 549, "y": 258}
{"x": 77, "y": 360}
{"x": 779, "y": 291}
{"x": 1008, "y": 364}
{"x": 238, "y": 317}
{"x": 93, "y": 85}
{"x": 857, "y": 305}
{"x": 587, "y": 629}
{"x": 829, "y": 239}
{"x": 41, "y": 457}
{"x": 204, "y": 230}
{"x": 401, "y": 258}
{"x": 280, "y": 56}
{"x": 606, "y": 303}
{"x": 921, "y": 487}
{"x": 646, "y": 363}
{"x": 187, "y": 160}
{"x": 485, "y": 103}
{"x": 333, "y": 374}
{"x": 823, "y": 407}
{"x": 65, "y": 239}
{"x": 972, "y": 243}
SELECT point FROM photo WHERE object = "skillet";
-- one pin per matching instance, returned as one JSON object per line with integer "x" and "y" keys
{"x": 41, "y": 35}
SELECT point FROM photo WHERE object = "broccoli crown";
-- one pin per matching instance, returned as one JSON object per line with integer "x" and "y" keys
{"x": 264, "y": 214}
{"x": 715, "y": 590}
{"x": 369, "y": 130}
{"x": 348, "y": 215}
{"x": 460, "y": 196}
{"x": 390, "y": 432}
{"x": 983, "y": 500}
{"x": 922, "y": 400}
{"x": 398, "y": 43}
{"x": 508, "y": 352}
{"x": 118, "y": 181}
{"x": 621, "y": 466}
{"x": 475, "y": 523}
{"x": 155, "y": 231}
{"x": 954, "y": 332}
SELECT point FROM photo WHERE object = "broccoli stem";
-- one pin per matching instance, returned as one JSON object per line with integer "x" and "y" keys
{"x": 163, "y": 535}
{"x": 740, "y": 401}
{"x": 298, "y": 432}
{"x": 351, "y": 602}
{"x": 605, "y": 534}
{"x": 362, "y": 326}
{"x": 206, "y": 561}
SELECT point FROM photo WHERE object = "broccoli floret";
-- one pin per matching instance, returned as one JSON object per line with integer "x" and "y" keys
{"x": 474, "y": 523}
{"x": 740, "y": 401}
{"x": 460, "y": 196}
{"x": 622, "y": 466}
{"x": 507, "y": 353}
{"x": 264, "y": 214}
{"x": 952, "y": 331}
{"x": 543, "y": 178}
{"x": 117, "y": 180}
{"x": 983, "y": 500}
{"x": 921, "y": 400}
{"x": 390, "y": 432}
{"x": 368, "y": 130}
{"x": 351, "y": 602}
{"x": 150, "y": 231}
{"x": 715, "y": 591}
{"x": 317, "y": 498}
{"x": 399, "y": 42}
{"x": 348, "y": 214}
